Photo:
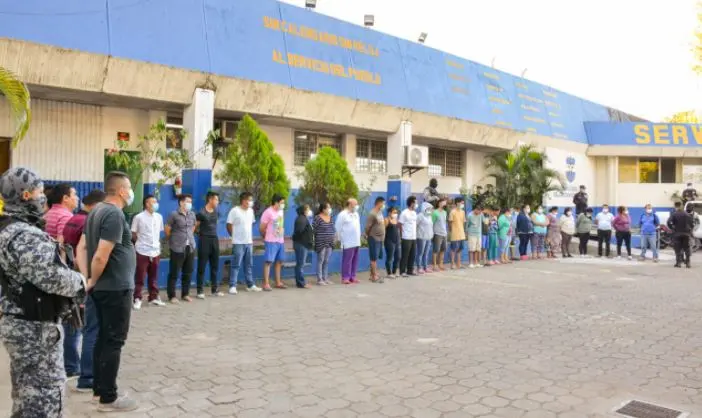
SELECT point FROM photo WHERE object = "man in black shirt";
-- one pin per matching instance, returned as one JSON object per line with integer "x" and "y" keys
{"x": 681, "y": 223}
{"x": 208, "y": 251}
{"x": 689, "y": 194}
{"x": 580, "y": 201}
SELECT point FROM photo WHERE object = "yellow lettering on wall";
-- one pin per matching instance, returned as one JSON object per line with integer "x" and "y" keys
{"x": 552, "y": 104}
{"x": 642, "y": 134}
{"x": 697, "y": 133}
{"x": 661, "y": 135}
{"x": 530, "y": 108}
{"x": 521, "y": 85}
{"x": 529, "y": 98}
{"x": 532, "y": 130}
{"x": 496, "y": 110}
{"x": 533, "y": 119}
{"x": 559, "y": 135}
{"x": 491, "y": 75}
{"x": 278, "y": 57}
{"x": 494, "y": 88}
{"x": 555, "y": 115}
{"x": 679, "y": 135}
{"x": 460, "y": 90}
{"x": 557, "y": 125}
{"x": 271, "y": 23}
{"x": 324, "y": 67}
{"x": 458, "y": 77}
{"x": 499, "y": 100}
{"x": 503, "y": 123}
{"x": 454, "y": 64}
{"x": 550, "y": 94}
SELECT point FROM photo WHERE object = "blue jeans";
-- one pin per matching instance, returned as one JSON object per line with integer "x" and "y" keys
{"x": 242, "y": 252}
{"x": 423, "y": 251}
{"x": 90, "y": 330}
{"x": 71, "y": 357}
{"x": 323, "y": 256}
{"x": 300, "y": 258}
{"x": 393, "y": 254}
{"x": 649, "y": 241}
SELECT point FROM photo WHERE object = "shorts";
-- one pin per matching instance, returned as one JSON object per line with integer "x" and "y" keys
{"x": 274, "y": 252}
{"x": 485, "y": 244}
{"x": 438, "y": 244}
{"x": 457, "y": 245}
{"x": 474, "y": 243}
{"x": 375, "y": 247}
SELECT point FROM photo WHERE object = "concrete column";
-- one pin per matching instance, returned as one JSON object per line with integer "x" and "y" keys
{"x": 399, "y": 186}
{"x": 349, "y": 147}
{"x": 198, "y": 120}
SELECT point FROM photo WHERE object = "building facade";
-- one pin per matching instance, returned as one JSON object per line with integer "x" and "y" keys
{"x": 112, "y": 69}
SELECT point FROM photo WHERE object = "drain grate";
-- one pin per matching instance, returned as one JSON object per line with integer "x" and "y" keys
{"x": 638, "y": 409}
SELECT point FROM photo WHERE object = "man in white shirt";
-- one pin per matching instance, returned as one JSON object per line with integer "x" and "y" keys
{"x": 348, "y": 230}
{"x": 603, "y": 221}
{"x": 146, "y": 233}
{"x": 240, "y": 225}
{"x": 408, "y": 226}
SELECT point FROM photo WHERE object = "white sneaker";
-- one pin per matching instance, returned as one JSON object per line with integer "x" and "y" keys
{"x": 201, "y": 296}
{"x": 479, "y": 266}
{"x": 137, "y": 304}
{"x": 629, "y": 258}
{"x": 232, "y": 291}
{"x": 157, "y": 302}
{"x": 218, "y": 294}
{"x": 619, "y": 257}
{"x": 253, "y": 288}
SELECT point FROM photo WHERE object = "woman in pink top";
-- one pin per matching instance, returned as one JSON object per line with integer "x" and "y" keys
{"x": 622, "y": 226}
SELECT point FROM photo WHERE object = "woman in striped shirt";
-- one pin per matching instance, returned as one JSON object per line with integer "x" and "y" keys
{"x": 324, "y": 234}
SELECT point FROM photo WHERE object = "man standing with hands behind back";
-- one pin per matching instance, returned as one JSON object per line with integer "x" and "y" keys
{"x": 180, "y": 230}
{"x": 107, "y": 255}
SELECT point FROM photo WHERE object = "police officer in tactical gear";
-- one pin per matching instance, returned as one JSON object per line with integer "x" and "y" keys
{"x": 681, "y": 223}
{"x": 37, "y": 289}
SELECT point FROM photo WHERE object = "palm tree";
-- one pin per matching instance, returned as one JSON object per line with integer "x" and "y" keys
{"x": 521, "y": 177}
{"x": 17, "y": 96}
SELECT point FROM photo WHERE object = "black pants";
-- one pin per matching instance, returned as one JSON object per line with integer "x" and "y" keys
{"x": 114, "y": 310}
{"x": 184, "y": 262}
{"x": 681, "y": 242}
{"x": 606, "y": 238}
{"x": 409, "y": 254}
{"x": 625, "y": 238}
{"x": 584, "y": 239}
{"x": 524, "y": 240}
{"x": 565, "y": 243}
{"x": 208, "y": 252}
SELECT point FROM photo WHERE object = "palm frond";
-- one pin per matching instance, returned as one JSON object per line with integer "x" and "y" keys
{"x": 17, "y": 96}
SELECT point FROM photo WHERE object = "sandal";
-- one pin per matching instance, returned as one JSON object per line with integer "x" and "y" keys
{"x": 281, "y": 286}
{"x": 267, "y": 289}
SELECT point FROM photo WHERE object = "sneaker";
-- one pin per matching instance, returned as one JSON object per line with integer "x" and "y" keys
{"x": 328, "y": 282}
{"x": 479, "y": 266}
{"x": 321, "y": 283}
{"x": 619, "y": 257}
{"x": 655, "y": 260}
{"x": 471, "y": 266}
{"x": 137, "y": 304}
{"x": 122, "y": 404}
{"x": 174, "y": 301}
{"x": 201, "y": 296}
{"x": 157, "y": 302}
{"x": 381, "y": 280}
{"x": 232, "y": 290}
{"x": 253, "y": 288}
{"x": 187, "y": 299}
{"x": 404, "y": 275}
{"x": 345, "y": 281}
{"x": 218, "y": 294}
{"x": 629, "y": 258}
{"x": 79, "y": 389}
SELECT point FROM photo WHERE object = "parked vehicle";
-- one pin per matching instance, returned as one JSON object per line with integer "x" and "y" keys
{"x": 666, "y": 239}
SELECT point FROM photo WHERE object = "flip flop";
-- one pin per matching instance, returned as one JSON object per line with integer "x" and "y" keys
{"x": 281, "y": 286}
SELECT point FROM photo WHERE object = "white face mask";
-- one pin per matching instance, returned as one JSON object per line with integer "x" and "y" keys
{"x": 394, "y": 216}
{"x": 308, "y": 213}
{"x": 282, "y": 206}
{"x": 649, "y": 210}
{"x": 461, "y": 206}
{"x": 626, "y": 212}
{"x": 188, "y": 206}
{"x": 155, "y": 207}
{"x": 251, "y": 203}
{"x": 527, "y": 210}
{"x": 540, "y": 210}
{"x": 130, "y": 199}
{"x": 605, "y": 210}
{"x": 328, "y": 211}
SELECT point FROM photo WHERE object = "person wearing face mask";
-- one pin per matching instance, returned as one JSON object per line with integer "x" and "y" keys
{"x": 408, "y": 232}
{"x": 348, "y": 229}
{"x": 525, "y": 230}
{"x": 425, "y": 233}
{"x": 553, "y": 236}
{"x": 649, "y": 223}
{"x": 62, "y": 201}
{"x": 439, "y": 241}
{"x": 324, "y": 233}
{"x": 580, "y": 201}
{"x": 208, "y": 248}
{"x": 180, "y": 231}
{"x": 567, "y": 224}
{"x": 146, "y": 234}
{"x": 375, "y": 234}
{"x": 583, "y": 226}
{"x": 273, "y": 231}
{"x": 393, "y": 251}
{"x": 622, "y": 226}
{"x": 457, "y": 232}
{"x": 240, "y": 227}
{"x": 431, "y": 195}
{"x": 603, "y": 221}
{"x": 34, "y": 276}
{"x": 538, "y": 239}
{"x": 303, "y": 242}
{"x": 106, "y": 254}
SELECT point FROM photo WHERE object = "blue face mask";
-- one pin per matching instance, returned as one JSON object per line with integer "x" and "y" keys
{"x": 155, "y": 207}
{"x": 188, "y": 206}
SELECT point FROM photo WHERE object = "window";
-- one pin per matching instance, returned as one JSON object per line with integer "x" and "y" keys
{"x": 174, "y": 125}
{"x": 371, "y": 156}
{"x": 307, "y": 145}
{"x": 445, "y": 162}
{"x": 648, "y": 170}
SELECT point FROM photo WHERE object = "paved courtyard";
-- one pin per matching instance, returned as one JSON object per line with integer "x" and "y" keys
{"x": 564, "y": 338}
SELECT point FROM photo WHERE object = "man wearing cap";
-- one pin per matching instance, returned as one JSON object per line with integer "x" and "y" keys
{"x": 35, "y": 278}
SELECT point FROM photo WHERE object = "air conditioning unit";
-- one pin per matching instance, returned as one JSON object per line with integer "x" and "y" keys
{"x": 416, "y": 156}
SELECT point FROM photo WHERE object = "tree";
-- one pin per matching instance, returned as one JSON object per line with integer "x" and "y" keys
{"x": 684, "y": 117}
{"x": 521, "y": 176}
{"x": 250, "y": 164}
{"x": 326, "y": 178}
{"x": 17, "y": 97}
{"x": 697, "y": 49}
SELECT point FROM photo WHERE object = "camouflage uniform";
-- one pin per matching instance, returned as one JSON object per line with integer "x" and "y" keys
{"x": 27, "y": 254}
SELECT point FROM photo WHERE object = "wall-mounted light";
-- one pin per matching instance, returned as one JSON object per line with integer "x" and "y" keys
{"x": 422, "y": 37}
{"x": 310, "y": 4}
{"x": 368, "y": 20}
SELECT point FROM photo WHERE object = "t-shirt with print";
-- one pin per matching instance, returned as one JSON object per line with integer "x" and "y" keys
{"x": 457, "y": 222}
{"x": 107, "y": 222}
{"x": 208, "y": 223}
{"x": 242, "y": 224}
{"x": 375, "y": 226}
{"x": 475, "y": 224}
{"x": 275, "y": 231}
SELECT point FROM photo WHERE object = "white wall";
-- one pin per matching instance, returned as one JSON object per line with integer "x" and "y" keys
{"x": 581, "y": 172}
{"x": 638, "y": 195}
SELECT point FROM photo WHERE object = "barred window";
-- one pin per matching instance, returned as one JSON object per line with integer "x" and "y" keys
{"x": 308, "y": 144}
{"x": 445, "y": 162}
{"x": 371, "y": 156}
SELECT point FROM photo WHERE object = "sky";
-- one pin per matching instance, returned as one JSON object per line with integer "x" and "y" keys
{"x": 633, "y": 55}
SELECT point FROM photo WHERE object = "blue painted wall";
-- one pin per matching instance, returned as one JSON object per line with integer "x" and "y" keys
{"x": 279, "y": 43}
{"x": 644, "y": 134}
